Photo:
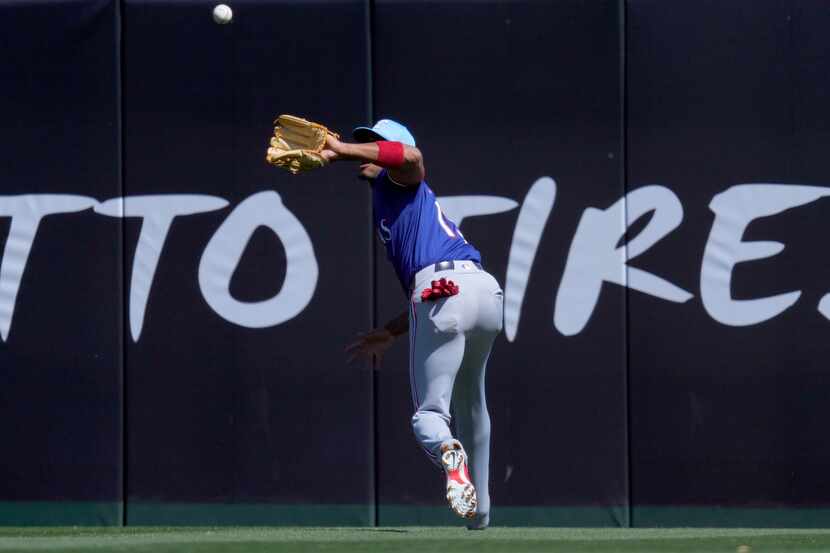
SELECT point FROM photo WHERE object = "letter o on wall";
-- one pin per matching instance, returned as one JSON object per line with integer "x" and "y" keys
{"x": 225, "y": 249}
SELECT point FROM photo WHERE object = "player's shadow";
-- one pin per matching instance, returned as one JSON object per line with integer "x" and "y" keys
{"x": 392, "y": 530}
{"x": 439, "y": 305}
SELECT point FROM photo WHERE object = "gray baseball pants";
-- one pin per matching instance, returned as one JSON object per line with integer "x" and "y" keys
{"x": 450, "y": 341}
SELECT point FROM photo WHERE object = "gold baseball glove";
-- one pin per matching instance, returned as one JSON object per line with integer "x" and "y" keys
{"x": 297, "y": 143}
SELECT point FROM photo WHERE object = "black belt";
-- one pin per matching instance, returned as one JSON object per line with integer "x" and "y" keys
{"x": 450, "y": 265}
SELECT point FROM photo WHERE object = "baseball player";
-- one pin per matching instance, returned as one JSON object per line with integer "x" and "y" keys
{"x": 454, "y": 314}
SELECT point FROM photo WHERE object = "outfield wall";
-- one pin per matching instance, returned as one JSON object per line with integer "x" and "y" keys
{"x": 646, "y": 180}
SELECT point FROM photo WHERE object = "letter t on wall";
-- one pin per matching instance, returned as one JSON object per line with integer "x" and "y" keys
{"x": 157, "y": 214}
{"x": 26, "y": 212}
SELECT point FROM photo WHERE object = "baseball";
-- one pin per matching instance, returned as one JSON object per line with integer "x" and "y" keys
{"x": 222, "y": 14}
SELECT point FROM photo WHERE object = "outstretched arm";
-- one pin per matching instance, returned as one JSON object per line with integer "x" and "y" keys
{"x": 406, "y": 167}
{"x": 399, "y": 325}
{"x": 374, "y": 344}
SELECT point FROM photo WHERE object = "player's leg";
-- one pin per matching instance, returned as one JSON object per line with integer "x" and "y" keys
{"x": 439, "y": 345}
{"x": 436, "y": 351}
{"x": 441, "y": 333}
{"x": 472, "y": 420}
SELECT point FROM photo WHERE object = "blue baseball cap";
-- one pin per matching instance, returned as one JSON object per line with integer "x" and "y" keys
{"x": 385, "y": 129}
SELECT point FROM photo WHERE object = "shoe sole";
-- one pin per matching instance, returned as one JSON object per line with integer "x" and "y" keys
{"x": 465, "y": 505}
{"x": 461, "y": 494}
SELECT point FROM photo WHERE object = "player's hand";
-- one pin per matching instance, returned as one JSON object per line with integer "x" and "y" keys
{"x": 334, "y": 148}
{"x": 371, "y": 345}
{"x": 329, "y": 155}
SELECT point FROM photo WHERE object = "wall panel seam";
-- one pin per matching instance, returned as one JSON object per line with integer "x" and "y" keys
{"x": 121, "y": 164}
{"x": 372, "y": 262}
{"x": 623, "y": 75}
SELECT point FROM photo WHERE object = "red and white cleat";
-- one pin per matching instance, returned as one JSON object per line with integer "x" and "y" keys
{"x": 461, "y": 494}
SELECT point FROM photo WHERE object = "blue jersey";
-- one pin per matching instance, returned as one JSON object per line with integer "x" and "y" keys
{"x": 415, "y": 232}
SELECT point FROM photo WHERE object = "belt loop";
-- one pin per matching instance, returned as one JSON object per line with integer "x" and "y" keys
{"x": 450, "y": 265}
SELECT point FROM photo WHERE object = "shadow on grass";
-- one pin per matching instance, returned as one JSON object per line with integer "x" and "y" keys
{"x": 388, "y": 530}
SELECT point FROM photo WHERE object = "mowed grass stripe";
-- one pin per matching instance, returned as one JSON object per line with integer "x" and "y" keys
{"x": 406, "y": 539}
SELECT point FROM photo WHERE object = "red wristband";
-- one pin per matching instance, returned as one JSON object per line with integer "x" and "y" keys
{"x": 390, "y": 154}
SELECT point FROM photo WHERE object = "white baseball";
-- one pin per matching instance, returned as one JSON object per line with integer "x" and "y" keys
{"x": 222, "y": 14}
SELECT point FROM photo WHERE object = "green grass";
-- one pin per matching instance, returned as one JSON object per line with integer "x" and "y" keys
{"x": 405, "y": 539}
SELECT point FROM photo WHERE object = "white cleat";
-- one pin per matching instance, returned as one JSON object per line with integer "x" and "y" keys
{"x": 461, "y": 494}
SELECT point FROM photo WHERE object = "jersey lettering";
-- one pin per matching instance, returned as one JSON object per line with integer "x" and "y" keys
{"x": 384, "y": 232}
{"x": 414, "y": 230}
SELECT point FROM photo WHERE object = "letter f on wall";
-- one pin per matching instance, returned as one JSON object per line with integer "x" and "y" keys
{"x": 595, "y": 258}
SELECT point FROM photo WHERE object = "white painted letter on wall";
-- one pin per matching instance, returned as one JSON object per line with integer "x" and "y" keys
{"x": 594, "y": 257}
{"x": 734, "y": 209}
{"x": 157, "y": 213}
{"x": 225, "y": 249}
{"x": 26, "y": 212}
